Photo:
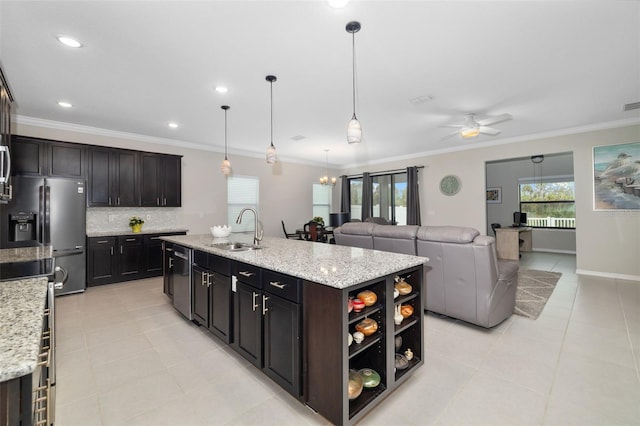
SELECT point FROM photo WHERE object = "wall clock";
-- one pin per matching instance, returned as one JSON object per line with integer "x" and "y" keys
{"x": 450, "y": 185}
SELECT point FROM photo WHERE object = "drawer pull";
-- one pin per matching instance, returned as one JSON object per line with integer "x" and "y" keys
{"x": 102, "y": 242}
{"x": 264, "y": 305}
{"x": 130, "y": 239}
{"x": 246, "y": 274}
{"x": 277, "y": 284}
{"x": 255, "y": 305}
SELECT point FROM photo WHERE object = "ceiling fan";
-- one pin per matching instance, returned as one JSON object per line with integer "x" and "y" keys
{"x": 474, "y": 126}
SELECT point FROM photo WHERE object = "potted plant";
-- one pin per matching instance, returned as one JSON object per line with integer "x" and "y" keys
{"x": 319, "y": 220}
{"x": 135, "y": 223}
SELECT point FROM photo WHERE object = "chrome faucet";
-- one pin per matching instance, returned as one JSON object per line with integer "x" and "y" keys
{"x": 257, "y": 235}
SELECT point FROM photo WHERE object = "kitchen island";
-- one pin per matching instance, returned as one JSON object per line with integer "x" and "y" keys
{"x": 287, "y": 308}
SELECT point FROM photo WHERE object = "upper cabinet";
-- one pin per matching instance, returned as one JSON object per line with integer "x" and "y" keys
{"x": 160, "y": 180}
{"x": 112, "y": 177}
{"x": 5, "y": 134}
{"x": 40, "y": 157}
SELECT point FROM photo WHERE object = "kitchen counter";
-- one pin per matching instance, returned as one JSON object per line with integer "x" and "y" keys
{"x": 92, "y": 234}
{"x": 25, "y": 254}
{"x": 329, "y": 264}
{"x": 22, "y": 303}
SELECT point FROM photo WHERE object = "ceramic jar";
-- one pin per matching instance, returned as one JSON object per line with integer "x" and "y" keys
{"x": 367, "y": 326}
{"x": 368, "y": 297}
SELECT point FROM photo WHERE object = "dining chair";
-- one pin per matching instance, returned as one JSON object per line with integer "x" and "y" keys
{"x": 288, "y": 235}
{"x": 313, "y": 231}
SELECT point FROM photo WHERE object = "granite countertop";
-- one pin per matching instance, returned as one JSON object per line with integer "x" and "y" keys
{"x": 329, "y": 264}
{"x": 22, "y": 304}
{"x": 92, "y": 234}
{"x": 25, "y": 254}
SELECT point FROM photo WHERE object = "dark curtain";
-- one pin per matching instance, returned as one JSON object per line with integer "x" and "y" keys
{"x": 367, "y": 196}
{"x": 345, "y": 196}
{"x": 413, "y": 197}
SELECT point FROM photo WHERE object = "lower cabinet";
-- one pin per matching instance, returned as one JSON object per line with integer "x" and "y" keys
{"x": 167, "y": 267}
{"x": 211, "y": 294}
{"x": 124, "y": 258}
{"x": 267, "y": 323}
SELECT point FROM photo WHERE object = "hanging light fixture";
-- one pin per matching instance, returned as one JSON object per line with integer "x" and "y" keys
{"x": 324, "y": 180}
{"x": 226, "y": 164}
{"x": 354, "y": 129}
{"x": 537, "y": 159}
{"x": 271, "y": 149}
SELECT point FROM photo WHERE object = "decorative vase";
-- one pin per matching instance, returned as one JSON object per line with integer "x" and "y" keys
{"x": 136, "y": 228}
{"x": 397, "y": 316}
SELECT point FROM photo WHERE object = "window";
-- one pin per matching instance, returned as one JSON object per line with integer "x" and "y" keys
{"x": 322, "y": 201}
{"x": 242, "y": 191}
{"x": 389, "y": 197}
{"x": 549, "y": 203}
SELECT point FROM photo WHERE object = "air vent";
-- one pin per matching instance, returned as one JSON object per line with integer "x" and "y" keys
{"x": 298, "y": 138}
{"x": 632, "y": 105}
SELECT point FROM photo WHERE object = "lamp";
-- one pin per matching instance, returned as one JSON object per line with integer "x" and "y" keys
{"x": 226, "y": 164}
{"x": 271, "y": 149}
{"x": 537, "y": 159}
{"x": 354, "y": 129}
{"x": 324, "y": 180}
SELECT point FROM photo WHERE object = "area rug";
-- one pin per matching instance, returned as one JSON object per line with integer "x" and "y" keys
{"x": 534, "y": 289}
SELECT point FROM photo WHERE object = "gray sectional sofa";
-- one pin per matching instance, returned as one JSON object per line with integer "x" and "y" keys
{"x": 466, "y": 279}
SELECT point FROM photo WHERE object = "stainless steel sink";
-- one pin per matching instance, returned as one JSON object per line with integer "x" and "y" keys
{"x": 236, "y": 246}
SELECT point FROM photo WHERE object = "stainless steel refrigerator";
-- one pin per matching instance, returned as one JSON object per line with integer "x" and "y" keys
{"x": 49, "y": 211}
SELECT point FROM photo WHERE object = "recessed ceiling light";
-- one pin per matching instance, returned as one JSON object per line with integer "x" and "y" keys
{"x": 69, "y": 41}
{"x": 337, "y": 4}
{"x": 221, "y": 89}
{"x": 64, "y": 104}
{"x": 173, "y": 125}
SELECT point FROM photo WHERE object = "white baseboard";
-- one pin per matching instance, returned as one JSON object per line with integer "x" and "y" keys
{"x": 608, "y": 275}
{"x": 539, "y": 250}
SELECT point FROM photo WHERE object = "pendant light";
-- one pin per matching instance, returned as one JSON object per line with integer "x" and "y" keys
{"x": 354, "y": 129}
{"x": 226, "y": 164}
{"x": 325, "y": 179}
{"x": 271, "y": 150}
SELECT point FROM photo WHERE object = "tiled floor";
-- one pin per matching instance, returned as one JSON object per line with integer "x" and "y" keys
{"x": 125, "y": 357}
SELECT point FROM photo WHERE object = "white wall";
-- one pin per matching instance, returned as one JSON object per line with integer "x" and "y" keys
{"x": 607, "y": 243}
{"x": 285, "y": 188}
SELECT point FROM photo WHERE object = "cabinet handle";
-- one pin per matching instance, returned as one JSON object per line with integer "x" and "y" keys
{"x": 255, "y": 305}
{"x": 264, "y": 304}
{"x": 130, "y": 239}
{"x": 120, "y": 249}
{"x": 118, "y": 200}
{"x": 109, "y": 200}
{"x": 164, "y": 201}
{"x": 277, "y": 284}
{"x": 102, "y": 242}
{"x": 246, "y": 274}
{"x": 169, "y": 249}
{"x": 211, "y": 280}
{"x": 111, "y": 250}
{"x": 170, "y": 262}
{"x": 205, "y": 277}
{"x": 157, "y": 201}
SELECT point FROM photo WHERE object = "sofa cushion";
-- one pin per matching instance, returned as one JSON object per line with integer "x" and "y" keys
{"x": 392, "y": 231}
{"x": 357, "y": 228}
{"x": 447, "y": 234}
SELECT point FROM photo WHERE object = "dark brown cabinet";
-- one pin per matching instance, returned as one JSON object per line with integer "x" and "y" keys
{"x": 124, "y": 258}
{"x": 167, "y": 267}
{"x": 41, "y": 157}
{"x": 211, "y": 294}
{"x": 6, "y": 99}
{"x": 113, "y": 178}
{"x": 267, "y": 323}
{"x": 160, "y": 180}
{"x": 102, "y": 266}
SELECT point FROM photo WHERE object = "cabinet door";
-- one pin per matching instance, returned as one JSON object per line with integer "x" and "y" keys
{"x": 130, "y": 258}
{"x": 101, "y": 261}
{"x": 281, "y": 342}
{"x": 65, "y": 160}
{"x": 27, "y": 156}
{"x": 124, "y": 179}
{"x": 168, "y": 269}
{"x": 99, "y": 182}
{"x": 171, "y": 193}
{"x": 152, "y": 248}
{"x": 150, "y": 189}
{"x": 247, "y": 323}
{"x": 200, "y": 295}
{"x": 220, "y": 306}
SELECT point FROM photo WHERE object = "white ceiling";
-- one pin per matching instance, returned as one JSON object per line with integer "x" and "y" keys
{"x": 552, "y": 65}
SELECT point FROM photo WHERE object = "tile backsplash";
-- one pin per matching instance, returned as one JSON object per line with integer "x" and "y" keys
{"x": 106, "y": 219}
